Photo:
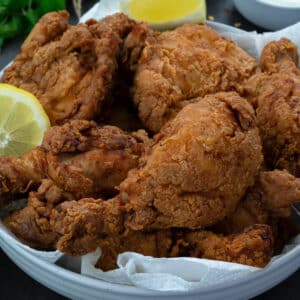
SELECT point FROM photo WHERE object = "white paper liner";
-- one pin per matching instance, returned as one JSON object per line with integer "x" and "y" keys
{"x": 172, "y": 274}
{"x": 164, "y": 274}
{"x": 168, "y": 274}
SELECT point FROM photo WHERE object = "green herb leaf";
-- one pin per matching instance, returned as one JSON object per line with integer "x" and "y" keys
{"x": 10, "y": 28}
{"x": 3, "y": 11}
{"x": 53, "y": 5}
{"x": 19, "y": 16}
{"x": 1, "y": 43}
{"x": 12, "y": 5}
{"x": 32, "y": 16}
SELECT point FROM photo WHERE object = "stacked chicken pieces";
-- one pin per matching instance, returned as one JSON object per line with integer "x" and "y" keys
{"x": 215, "y": 179}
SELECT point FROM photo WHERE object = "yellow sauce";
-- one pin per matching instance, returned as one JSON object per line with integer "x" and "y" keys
{"x": 158, "y": 11}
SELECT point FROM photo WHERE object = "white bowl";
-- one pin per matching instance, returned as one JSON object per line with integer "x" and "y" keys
{"x": 272, "y": 16}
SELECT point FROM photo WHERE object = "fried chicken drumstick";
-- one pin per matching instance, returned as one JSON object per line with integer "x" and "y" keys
{"x": 200, "y": 165}
{"x": 171, "y": 68}
{"x": 70, "y": 69}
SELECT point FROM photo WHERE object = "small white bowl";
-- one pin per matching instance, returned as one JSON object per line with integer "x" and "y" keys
{"x": 269, "y": 14}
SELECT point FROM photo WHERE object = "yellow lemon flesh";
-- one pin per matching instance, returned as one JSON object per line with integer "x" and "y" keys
{"x": 164, "y": 14}
{"x": 23, "y": 121}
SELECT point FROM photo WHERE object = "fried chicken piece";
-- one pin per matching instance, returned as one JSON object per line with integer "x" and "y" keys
{"x": 79, "y": 157}
{"x": 70, "y": 69}
{"x": 200, "y": 165}
{"x": 31, "y": 223}
{"x": 81, "y": 223}
{"x": 268, "y": 200}
{"x": 275, "y": 94}
{"x": 18, "y": 175}
{"x": 171, "y": 68}
{"x": 83, "y": 160}
{"x": 280, "y": 56}
{"x": 101, "y": 155}
{"x": 253, "y": 246}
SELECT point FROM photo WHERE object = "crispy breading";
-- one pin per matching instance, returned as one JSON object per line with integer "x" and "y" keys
{"x": 80, "y": 157}
{"x": 173, "y": 67}
{"x": 275, "y": 94}
{"x": 70, "y": 69}
{"x": 199, "y": 167}
{"x": 83, "y": 230}
{"x": 268, "y": 200}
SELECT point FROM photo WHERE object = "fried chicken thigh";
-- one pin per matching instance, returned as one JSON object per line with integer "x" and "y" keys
{"x": 173, "y": 67}
{"x": 275, "y": 94}
{"x": 70, "y": 69}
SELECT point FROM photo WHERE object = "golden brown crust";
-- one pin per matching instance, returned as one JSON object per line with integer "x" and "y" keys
{"x": 70, "y": 69}
{"x": 31, "y": 223}
{"x": 18, "y": 175}
{"x": 173, "y": 67}
{"x": 275, "y": 94}
{"x": 199, "y": 167}
{"x": 268, "y": 200}
{"x": 280, "y": 56}
{"x": 253, "y": 246}
{"x": 79, "y": 156}
{"x": 87, "y": 224}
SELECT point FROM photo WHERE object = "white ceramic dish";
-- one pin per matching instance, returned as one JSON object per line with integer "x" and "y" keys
{"x": 272, "y": 16}
{"x": 77, "y": 286}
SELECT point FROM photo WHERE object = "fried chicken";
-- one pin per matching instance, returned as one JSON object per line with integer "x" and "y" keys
{"x": 253, "y": 246}
{"x": 171, "y": 68}
{"x": 81, "y": 224}
{"x": 268, "y": 200}
{"x": 197, "y": 170}
{"x": 79, "y": 157}
{"x": 275, "y": 94}
{"x": 199, "y": 167}
{"x": 197, "y": 189}
{"x": 18, "y": 175}
{"x": 80, "y": 160}
{"x": 70, "y": 69}
{"x": 31, "y": 223}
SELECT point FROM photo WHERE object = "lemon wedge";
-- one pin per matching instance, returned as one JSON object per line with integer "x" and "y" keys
{"x": 23, "y": 121}
{"x": 165, "y": 14}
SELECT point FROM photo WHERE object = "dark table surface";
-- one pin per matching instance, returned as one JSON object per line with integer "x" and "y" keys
{"x": 15, "y": 284}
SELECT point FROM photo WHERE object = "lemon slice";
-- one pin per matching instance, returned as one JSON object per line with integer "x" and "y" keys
{"x": 165, "y": 14}
{"x": 23, "y": 121}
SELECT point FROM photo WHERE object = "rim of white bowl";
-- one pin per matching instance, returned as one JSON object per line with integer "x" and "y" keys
{"x": 284, "y": 262}
{"x": 280, "y": 5}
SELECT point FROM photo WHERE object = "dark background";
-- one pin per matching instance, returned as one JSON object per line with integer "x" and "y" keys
{"x": 15, "y": 284}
